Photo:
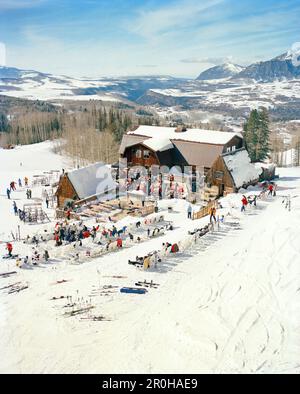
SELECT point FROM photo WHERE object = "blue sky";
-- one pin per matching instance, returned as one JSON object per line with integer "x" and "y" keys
{"x": 131, "y": 37}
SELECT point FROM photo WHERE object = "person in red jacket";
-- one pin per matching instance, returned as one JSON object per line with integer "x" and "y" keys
{"x": 271, "y": 187}
{"x": 174, "y": 248}
{"x": 86, "y": 234}
{"x": 9, "y": 247}
{"x": 68, "y": 214}
{"x": 244, "y": 203}
{"x": 119, "y": 243}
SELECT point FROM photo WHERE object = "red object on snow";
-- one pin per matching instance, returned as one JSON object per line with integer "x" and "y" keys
{"x": 86, "y": 234}
{"x": 244, "y": 201}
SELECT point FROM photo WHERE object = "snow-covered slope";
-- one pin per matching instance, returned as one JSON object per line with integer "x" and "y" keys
{"x": 228, "y": 304}
{"x": 34, "y": 85}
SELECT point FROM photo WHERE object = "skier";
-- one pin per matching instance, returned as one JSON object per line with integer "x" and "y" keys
{"x": 46, "y": 255}
{"x": 270, "y": 188}
{"x": 8, "y": 193}
{"x": 119, "y": 243}
{"x": 28, "y": 194}
{"x": 189, "y": 211}
{"x": 212, "y": 213}
{"x": 244, "y": 203}
{"x": 26, "y": 181}
{"x": 20, "y": 182}
{"x": 9, "y": 247}
{"x": 47, "y": 202}
{"x": 15, "y": 208}
{"x": 13, "y": 186}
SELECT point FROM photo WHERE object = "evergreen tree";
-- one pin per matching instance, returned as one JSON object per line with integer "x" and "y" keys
{"x": 264, "y": 135}
{"x": 257, "y": 135}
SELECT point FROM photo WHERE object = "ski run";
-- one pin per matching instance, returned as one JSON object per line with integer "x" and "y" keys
{"x": 227, "y": 302}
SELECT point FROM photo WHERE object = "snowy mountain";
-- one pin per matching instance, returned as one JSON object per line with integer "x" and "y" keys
{"x": 227, "y": 89}
{"x": 35, "y": 85}
{"x": 279, "y": 68}
{"x": 226, "y": 70}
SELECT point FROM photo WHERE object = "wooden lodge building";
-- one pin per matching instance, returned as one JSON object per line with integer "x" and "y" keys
{"x": 232, "y": 171}
{"x": 84, "y": 184}
{"x": 165, "y": 146}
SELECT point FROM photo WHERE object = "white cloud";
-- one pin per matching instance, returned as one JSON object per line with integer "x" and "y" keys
{"x": 151, "y": 23}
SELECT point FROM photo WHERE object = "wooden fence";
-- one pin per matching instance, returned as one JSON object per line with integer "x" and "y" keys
{"x": 205, "y": 211}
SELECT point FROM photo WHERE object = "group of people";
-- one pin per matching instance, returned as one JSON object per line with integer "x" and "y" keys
{"x": 19, "y": 212}
{"x": 148, "y": 261}
{"x": 13, "y": 187}
{"x": 35, "y": 259}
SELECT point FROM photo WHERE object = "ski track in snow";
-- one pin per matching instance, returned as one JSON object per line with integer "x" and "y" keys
{"x": 229, "y": 305}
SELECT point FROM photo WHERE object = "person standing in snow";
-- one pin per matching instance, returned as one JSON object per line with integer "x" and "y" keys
{"x": 189, "y": 211}
{"x": 15, "y": 208}
{"x": 47, "y": 202}
{"x": 9, "y": 247}
{"x": 20, "y": 182}
{"x": 212, "y": 213}
{"x": 26, "y": 181}
{"x": 270, "y": 188}
{"x": 119, "y": 243}
{"x": 244, "y": 203}
{"x": 46, "y": 255}
{"x": 13, "y": 186}
{"x": 8, "y": 193}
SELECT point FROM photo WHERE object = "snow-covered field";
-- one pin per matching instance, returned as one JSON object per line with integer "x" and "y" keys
{"x": 229, "y": 304}
{"x": 237, "y": 94}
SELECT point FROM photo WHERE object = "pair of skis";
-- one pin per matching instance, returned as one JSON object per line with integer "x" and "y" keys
{"x": 147, "y": 284}
{"x": 7, "y": 274}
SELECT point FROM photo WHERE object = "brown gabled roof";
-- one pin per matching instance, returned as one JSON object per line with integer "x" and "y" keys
{"x": 198, "y": 154}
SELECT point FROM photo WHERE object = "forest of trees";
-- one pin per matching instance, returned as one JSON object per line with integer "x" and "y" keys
{"x": 88, "y": 133}
{"x": 257, "y": 135}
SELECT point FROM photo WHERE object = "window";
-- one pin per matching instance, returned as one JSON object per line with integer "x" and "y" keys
{"x": 219, "y": 174}
{"x": 228, "y": 150}
{"x": 146, "y": 154}
{"x": 138, "y": 154}
{"x": 233, "y": 148}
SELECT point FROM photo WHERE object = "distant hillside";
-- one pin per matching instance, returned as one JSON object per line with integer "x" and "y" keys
{"x": 226, "y": 70}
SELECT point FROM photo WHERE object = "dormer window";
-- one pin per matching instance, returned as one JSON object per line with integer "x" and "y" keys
{"x": 138, "y": 154}
{"x": 146, "y": 154}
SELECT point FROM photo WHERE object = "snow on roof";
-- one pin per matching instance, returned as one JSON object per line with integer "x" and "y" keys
{"x": 241, "y": 168}
{"x": 192, "y": 135}
{"x": 93, "y": 180}
{"x": 158, "y": 144}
